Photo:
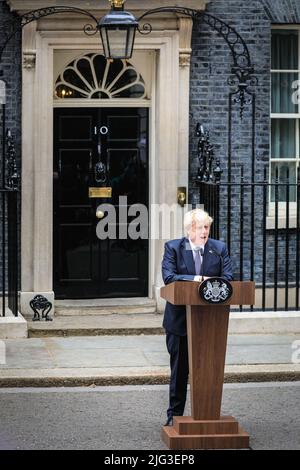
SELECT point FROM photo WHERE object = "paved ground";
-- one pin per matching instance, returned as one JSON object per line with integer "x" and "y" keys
{"x": 139, "y": 359}
{"x": 130, "y": 417}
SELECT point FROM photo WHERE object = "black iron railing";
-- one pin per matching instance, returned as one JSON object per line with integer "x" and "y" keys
{"x": 9, "y": 253}
{"x": 260, "y": 222}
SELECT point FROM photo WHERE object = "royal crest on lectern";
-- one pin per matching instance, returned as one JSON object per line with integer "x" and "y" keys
{"x": 215, "y": 290}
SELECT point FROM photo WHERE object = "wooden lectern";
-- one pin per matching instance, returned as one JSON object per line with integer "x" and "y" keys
{"x": 207, "y": 327}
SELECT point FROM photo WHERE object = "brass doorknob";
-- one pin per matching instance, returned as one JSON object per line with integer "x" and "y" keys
{"x": 99, "y": 214}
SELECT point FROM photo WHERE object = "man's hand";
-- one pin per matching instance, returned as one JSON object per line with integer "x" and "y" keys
{"x": 201, "y": 278}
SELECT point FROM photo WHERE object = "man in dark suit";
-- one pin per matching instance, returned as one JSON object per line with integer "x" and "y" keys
{"x": 195, "y": 257}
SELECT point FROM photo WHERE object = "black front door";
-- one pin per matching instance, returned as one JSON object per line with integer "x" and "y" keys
{"x": 99, "y": 148}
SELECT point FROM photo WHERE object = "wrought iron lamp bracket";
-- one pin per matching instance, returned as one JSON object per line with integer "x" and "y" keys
{"x": 242, "y": 69}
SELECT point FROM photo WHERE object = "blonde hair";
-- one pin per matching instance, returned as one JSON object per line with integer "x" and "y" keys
{"x": 197, "y": 216}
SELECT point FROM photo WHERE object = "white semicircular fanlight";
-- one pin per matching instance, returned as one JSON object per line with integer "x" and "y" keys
{"x": 93, "y": 77}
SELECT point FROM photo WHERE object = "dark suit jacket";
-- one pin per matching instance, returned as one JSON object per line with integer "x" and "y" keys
{"x": 178, "y": 265}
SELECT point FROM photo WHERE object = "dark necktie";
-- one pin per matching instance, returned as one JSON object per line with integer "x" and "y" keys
{"x": 197, "y": 262}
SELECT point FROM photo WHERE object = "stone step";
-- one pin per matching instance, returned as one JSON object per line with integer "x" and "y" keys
{"x": 137, "y": 305}
{"x": 151, "y": 323}
{"x": 12, "y": 327}
{"x": 97, "y": 325}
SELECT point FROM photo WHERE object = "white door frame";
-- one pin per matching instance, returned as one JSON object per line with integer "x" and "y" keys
{"x": 168, "y": 138}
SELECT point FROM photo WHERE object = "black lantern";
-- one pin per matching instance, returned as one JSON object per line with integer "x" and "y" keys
{"x": 117, "y": 30}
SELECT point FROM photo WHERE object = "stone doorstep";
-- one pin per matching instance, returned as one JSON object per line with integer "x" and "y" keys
{"x": 113, "y": 324}
{"x": 79, "y": 311}
{"x": 139, "y": 323}
{"x": 116, "y": 302}
{"x": 94, "y": 307}
{"x": 39, "y": 333}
